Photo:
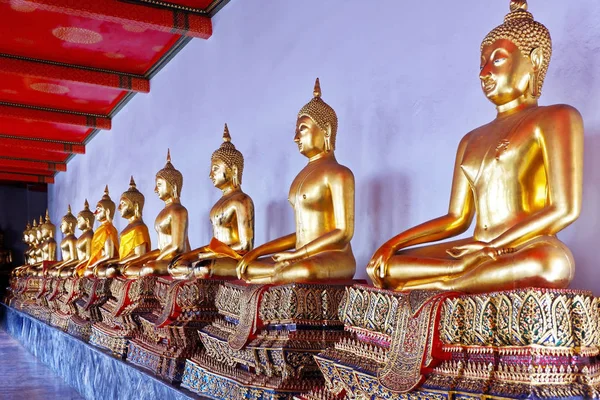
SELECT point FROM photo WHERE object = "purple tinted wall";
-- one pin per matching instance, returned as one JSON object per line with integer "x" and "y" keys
{"x": 403, "y": 78}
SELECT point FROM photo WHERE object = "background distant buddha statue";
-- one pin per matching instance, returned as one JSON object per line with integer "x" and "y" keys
{"x": 322, "y": 196}
{"x": 171, "y": 224}
{"x": 520, "y": 176}
{"x": 28, "y": 254}
{"x": 85, "y": 223}
{"x": 68, "y": 244}
{"x": 46, "y": 247}
{"x": 27, "y": 241}
{"x": 232, "y": 219}
{"x": 37, "y": 237}
{"x": 106, "y": 237}
{"x": 135, "y": 239}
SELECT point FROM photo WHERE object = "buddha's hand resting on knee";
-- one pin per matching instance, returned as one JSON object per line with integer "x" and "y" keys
{"x": 472, "y": 253}
{"x": 244, "y": 262}
{"x": 377, "y": 267}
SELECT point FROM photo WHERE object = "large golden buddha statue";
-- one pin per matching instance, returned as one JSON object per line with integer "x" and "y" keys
{"x": 85, "y": 223}
{"x": 135, "y": 239}
{"x": 520, "y": 175}
{"x": 171, "y": 224}
{"x": 232, "y": 219}
{"x": 106, "y": 238}
{"x": 68, "y": 244}
{"x": 322, "y": 196}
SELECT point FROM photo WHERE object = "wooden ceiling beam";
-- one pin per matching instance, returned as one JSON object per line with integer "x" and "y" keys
{"x": 19, "y": 111}
{"x": 27, "y": 164}
{"x": 45, "y": 70}
{"x": 33, "y": 145}
{"x": 9, "y": 176}
{"x": 173, "y": 21}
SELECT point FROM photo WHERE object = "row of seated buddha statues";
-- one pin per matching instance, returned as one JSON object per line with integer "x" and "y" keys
{"x": 489, "y": 315}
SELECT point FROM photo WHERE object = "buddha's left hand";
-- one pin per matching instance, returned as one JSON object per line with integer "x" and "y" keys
{"x": 286, "y": 256}
{"x": 466, "y": 249}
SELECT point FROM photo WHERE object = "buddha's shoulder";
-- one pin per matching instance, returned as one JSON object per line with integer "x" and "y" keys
{"x": 557, "y": 111}
{"x": 339, "y": 170}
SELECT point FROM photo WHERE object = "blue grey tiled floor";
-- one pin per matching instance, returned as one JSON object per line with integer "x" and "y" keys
{"x": 25, "y": 377}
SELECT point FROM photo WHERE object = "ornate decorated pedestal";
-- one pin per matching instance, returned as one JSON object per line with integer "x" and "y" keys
{"x": 535, "y": 343}
{"x": 263, "y": 344}
{"x": 120, "y": 313}
{"x": 93, "y": 294}
{"x": 65, "y": 292}
{"x": 168, "y": 335}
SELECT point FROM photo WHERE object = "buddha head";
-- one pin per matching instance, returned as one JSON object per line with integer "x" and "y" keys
{"x": 105, "y": 209}
{"x": 227, "y": 164}
{"x": 47, "y": 228}
{"x": 26, "y": 234}
{"x": 316, "y": 127}
{"x": 85, "y": 218}
{"x": 515, "y": 57}
{"x": 68, "y": 222}
{"x": 132, "y": 202}
{"x": 33, "y": 233}
{"x": 38, "y": 231}
{"x": 169, "y": 181}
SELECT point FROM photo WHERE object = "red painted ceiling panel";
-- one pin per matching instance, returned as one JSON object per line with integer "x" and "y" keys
{"x": 58, "y": 94}
{"x": 79, "y": 41}
{"x": 42, "y": 130}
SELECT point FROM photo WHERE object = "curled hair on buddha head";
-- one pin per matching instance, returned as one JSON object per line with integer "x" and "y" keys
{"x": 321, "y": 113}
{"x": 172, "y": 176}
{"x": 107, "y": 203}
{"x": 523, "y": 31}
{"x": 230, "y": 156}
{"x": 135, "y": 197}
{"x": 47, "y": 223}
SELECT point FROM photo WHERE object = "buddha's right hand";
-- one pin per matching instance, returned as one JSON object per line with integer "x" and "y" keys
{"x": 242, "y": 265}
{"x": 377, "y": 268}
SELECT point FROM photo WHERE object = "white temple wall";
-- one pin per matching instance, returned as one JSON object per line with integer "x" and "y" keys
{"x": 403, "y": 78}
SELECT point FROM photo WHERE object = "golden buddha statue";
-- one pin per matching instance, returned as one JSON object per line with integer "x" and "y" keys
{"x": 171, "y": 224}
{"x": 27, "y": 241}
{"x": 38, "y": 255}
{"x": 135, "y": 239}
{"x": 68, "y": 245}
{"x": 46, "y": 249}
{"x": 232, "y": 219}
{"x": 520, "y": 175}
{"x": 27, "y": 254}
{"x": 106, "y": 237}
{"x": 85, "y": 223}
{"x": 322, "y": 196}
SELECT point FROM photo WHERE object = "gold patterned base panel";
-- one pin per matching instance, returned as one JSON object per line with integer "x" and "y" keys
{"x": 168, "y": 335}
{"x": 535, "y": 343}
{"x": 263, "y": 344}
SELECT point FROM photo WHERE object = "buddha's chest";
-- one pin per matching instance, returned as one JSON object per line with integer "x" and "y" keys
{"x": 162, "y": 224}
{"x": 500, "y": 152}
{"x": 221, "y": 215}
{"x": 309, "y": 191}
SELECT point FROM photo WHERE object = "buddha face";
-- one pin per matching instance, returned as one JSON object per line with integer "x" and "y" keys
{"x": 505, "y": 72}
{"x": 65, "y": 227}
{"x": 82, "y": 223}
{"x": 163, "y": 189}
{"x": 220, "y": 174}
{"x": 101, "y": 213}
{"x": 126, "y": 208}
{"x": 309, "y": 137}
